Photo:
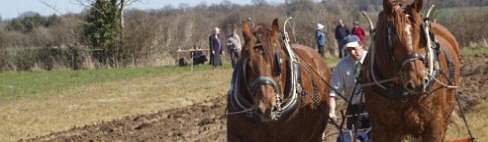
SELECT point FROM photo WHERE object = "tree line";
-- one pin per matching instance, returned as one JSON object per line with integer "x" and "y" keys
{"x": 107, "y": 35}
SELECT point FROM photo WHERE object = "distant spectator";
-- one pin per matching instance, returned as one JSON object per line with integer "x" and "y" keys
{"x": 234, "y": 46}
{"x": 358, "y": 31}
{"x": 321, "y": 39}
{"x": 341, "y": 31}
{"x": 215, "y": 45}
{"x": 198, "y": 56}
{"x": 250, "y": 21}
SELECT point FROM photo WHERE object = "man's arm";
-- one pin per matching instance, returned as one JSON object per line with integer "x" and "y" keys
{"x": 336, "y": 87}
{"x": 238, "y": 41}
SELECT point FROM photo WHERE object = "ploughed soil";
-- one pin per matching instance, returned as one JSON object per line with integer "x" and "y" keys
{"x": 205, "y": 121}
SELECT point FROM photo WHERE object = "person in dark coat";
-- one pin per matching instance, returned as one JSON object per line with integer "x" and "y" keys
{"x": 215, "y": 45}
{"x": 341, "y": 32}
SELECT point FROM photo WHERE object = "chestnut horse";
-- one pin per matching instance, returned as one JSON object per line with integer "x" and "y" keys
{"x": 278, "y": 93}
{"x": 417, "y": 101}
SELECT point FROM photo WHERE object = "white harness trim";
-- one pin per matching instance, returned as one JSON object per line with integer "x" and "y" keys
{"x": 295, "y": 87}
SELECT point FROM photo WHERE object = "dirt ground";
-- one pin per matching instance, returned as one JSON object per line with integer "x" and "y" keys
{"x": 205, "y": 121}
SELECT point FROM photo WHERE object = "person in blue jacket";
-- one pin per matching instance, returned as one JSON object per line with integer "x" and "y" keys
{"x": 321, "y": 39}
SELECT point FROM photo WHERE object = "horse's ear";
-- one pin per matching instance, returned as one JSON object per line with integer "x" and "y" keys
{"x": 246, "y": 31}
{"x": 276, "y": 27}
{"x": 417, "y": 5}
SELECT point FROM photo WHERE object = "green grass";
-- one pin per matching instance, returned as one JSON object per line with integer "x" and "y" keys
{"x": 14, "y": 85}
{"x": 474, "y": 51}
{"x": 332, "y": 61}
{"x": 447, "y": 13}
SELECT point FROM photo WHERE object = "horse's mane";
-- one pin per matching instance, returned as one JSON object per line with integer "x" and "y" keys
{"x": 399, "y": 20}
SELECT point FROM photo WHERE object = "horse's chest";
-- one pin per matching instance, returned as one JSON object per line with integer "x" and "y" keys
{"x": 418, "y": 116}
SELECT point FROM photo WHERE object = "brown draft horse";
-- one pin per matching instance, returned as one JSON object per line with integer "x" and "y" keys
{"x": 265, "y": 103}
{"x": 418, "y": 104}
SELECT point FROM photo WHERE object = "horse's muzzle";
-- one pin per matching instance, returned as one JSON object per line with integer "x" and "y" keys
{"x": 268, "y": 112}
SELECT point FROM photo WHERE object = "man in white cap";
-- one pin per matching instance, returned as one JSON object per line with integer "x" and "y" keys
{"x": 344, "y": 81}
{"x": 321, "y": 39}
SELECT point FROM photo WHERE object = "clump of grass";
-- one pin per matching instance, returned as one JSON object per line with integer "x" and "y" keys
{"x": 332, "y": 61}
{"x": 478, "y": 122}
{"x": 474, "y": 51}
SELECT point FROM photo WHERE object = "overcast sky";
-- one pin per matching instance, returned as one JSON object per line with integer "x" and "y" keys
{"x": 12, "y": 8}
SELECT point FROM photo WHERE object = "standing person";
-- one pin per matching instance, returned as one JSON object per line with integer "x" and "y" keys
{"x": 215, "y": 48}
{"x": 341, "y": 31}
{"x": 345, "y": 80}
{"x": 234, "y": 45}
{"x": 358, "y": 31}
{"x": 321, "y": 39}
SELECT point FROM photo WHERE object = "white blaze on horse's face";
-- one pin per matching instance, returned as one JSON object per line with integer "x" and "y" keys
{"x": 408, "y": 32}
{"x": 408, "y": 47}
{"x": 263, "y": 68}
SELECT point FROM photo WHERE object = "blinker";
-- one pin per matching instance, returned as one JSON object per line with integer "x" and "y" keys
{"x": 277, "y": 62}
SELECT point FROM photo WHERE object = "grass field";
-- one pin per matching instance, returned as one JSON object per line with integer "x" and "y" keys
{"x": 478, "y": 122}
{"x": 474, "y": 51}
{"x": 14, "y": 85}
{"x": 38, "y": 103}
{"x": 446, "y": 13}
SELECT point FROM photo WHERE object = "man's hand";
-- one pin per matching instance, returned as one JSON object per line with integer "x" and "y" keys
{"x": 333, "y": 116}
{"x": 332, "y": 107}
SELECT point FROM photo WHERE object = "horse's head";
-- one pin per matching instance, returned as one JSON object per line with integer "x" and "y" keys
{"x": 399, "y": 35}
{"x": 265, "y": 66}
